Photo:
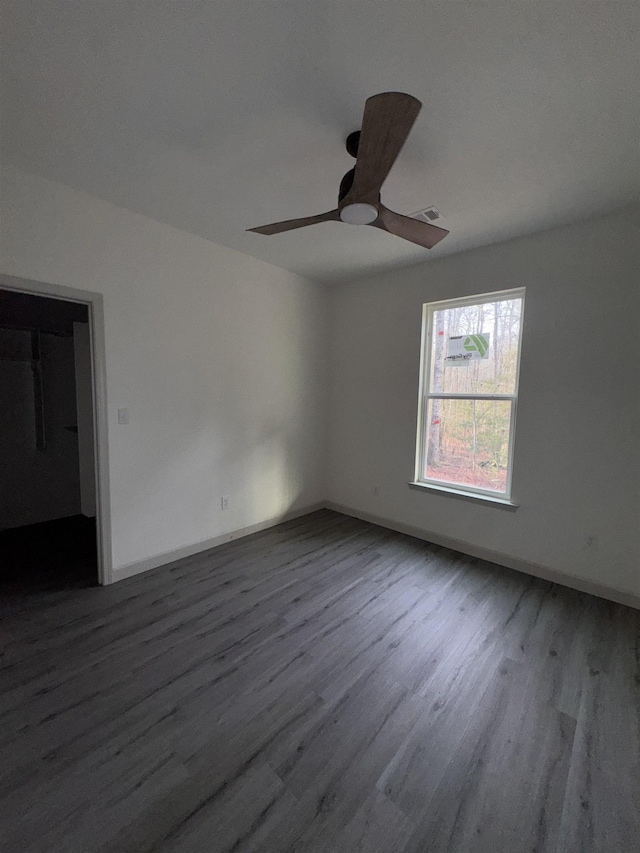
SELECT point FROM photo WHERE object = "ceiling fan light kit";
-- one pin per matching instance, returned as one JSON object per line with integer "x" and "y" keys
{"x": 387, "y": 121}
{"x": 359, "y": 213}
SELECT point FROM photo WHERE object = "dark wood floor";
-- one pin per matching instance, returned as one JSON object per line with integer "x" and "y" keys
{"x": 326, "y": 685}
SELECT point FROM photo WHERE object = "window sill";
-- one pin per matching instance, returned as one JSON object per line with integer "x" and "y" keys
{"x": 504, "y": 503}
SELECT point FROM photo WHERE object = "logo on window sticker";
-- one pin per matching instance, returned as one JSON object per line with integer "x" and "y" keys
{"x": 463, "y": 349}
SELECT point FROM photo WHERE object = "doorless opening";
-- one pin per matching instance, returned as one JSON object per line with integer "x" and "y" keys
{"x": 54, "y": 499}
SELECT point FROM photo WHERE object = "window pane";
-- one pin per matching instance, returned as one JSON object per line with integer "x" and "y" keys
{"x": 468, "y": 442}
{"x": 475, "y": 348}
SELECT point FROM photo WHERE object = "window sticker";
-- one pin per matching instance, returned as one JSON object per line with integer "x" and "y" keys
{"x": 463, "y": 349}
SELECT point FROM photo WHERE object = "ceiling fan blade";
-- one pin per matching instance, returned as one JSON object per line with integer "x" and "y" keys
{"x": 290, "y": 224}
{"x": 387, "y": 121}
{"x": 421, "y": 233}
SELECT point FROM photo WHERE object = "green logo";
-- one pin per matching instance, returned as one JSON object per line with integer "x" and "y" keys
{"x": 476, "y": 343}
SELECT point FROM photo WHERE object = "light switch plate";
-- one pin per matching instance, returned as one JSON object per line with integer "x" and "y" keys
{"x": 123, "y": 416}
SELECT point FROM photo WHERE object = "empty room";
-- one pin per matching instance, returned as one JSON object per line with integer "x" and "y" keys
{"x": 319, "y": 426}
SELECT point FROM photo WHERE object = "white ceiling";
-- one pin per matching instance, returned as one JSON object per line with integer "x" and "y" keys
{"x": 218, "y": 115}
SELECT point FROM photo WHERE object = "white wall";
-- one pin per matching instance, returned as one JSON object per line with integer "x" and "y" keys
{"x": 577, "y": 451}
{"x": 38, "y": 484}
{"x": 220, "y": 358}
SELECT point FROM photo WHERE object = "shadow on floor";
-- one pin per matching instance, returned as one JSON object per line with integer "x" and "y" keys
{"x": 60, "y": 554}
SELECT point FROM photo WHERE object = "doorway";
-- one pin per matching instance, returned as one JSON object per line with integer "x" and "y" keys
{"x": 52, "y": 438}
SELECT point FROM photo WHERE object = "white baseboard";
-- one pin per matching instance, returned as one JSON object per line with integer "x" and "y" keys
{"x": 620, "y": 596}
{"x": 131, "y": 569}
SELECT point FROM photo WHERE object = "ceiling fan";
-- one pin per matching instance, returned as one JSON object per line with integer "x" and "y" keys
{"x": 387, "y": 121}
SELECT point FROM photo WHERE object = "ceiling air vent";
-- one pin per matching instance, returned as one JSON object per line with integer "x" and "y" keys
{"x": 429, "y": 214}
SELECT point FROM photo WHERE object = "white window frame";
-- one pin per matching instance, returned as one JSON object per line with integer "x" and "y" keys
{"x": 425, "y": 395}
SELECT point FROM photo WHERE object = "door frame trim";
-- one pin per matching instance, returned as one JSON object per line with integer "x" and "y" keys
{"x": 95, "y": 305}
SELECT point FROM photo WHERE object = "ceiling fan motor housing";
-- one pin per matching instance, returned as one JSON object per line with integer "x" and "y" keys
{"x": 345, "y": 184}
{"x": 358, "y": 213}
{"x": 353, "y": 141}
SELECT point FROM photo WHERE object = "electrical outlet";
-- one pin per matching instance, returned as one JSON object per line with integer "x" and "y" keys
{"x": 123, "y": 416}
{"x": 224, "y": 502}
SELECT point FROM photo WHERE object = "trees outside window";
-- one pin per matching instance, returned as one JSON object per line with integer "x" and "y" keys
{"x": 468, "y": 392}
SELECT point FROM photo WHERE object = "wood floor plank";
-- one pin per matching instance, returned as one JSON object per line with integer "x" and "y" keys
{"x": 376, "y": 827}
{"x": 323, "y": 686}
{"x": 602, "y": 801}
{"x": 412, "y": 777}
{"x": 504, "y": 786}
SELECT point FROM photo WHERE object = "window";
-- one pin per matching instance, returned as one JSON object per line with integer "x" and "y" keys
{"x": 468, "y": 393}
